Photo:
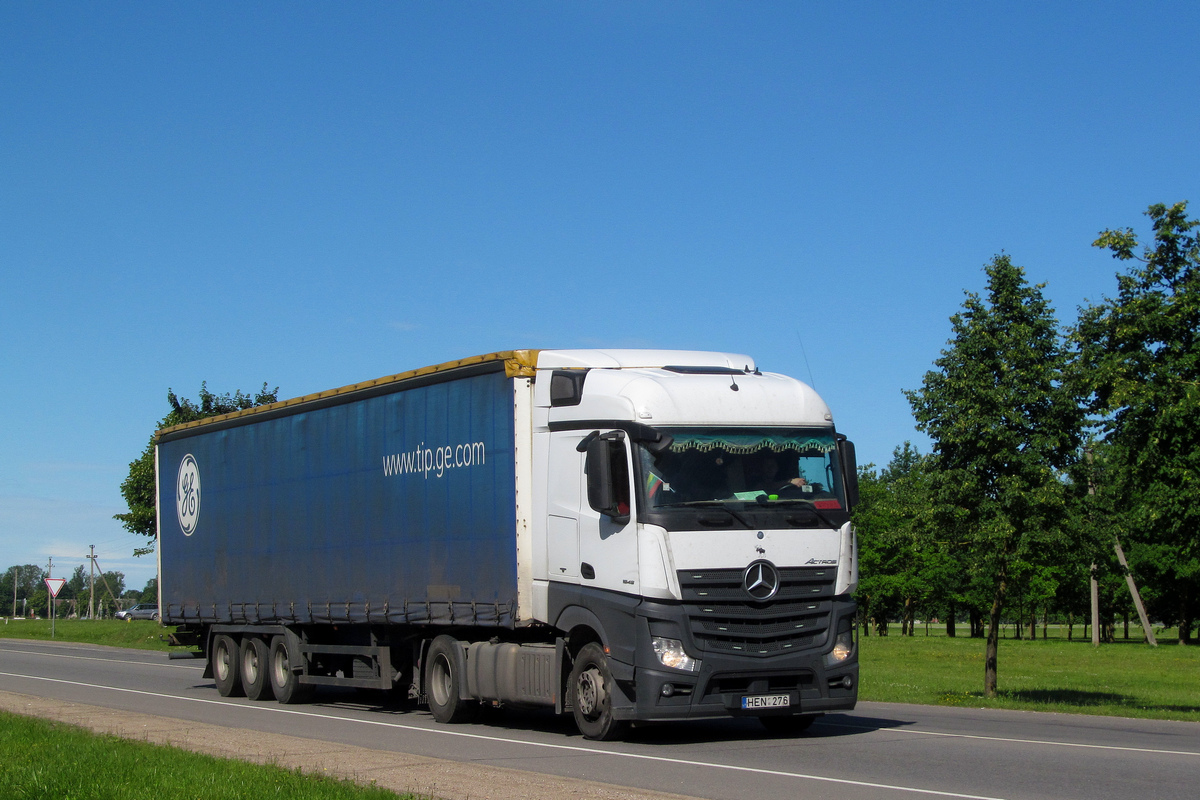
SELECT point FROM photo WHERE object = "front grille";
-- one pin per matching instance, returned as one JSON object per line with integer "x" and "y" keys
{"x": 724, "y": 618}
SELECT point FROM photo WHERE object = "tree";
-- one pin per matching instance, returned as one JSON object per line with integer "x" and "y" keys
{"x": 113, "y": 583}
{"x": 877, "y": 593}
{"x": 896, "y": 559}
{"x": 1002, "y": 424}
{"x": 1139, "y": 361}
{"x": 20, "y": 583}
{"x": 77, "y": 586}
{"x": 150, "y": 592}
{"x": 138, "y": 486}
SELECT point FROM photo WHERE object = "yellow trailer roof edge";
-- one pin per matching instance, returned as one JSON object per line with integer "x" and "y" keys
{"x": 517, "y": 363}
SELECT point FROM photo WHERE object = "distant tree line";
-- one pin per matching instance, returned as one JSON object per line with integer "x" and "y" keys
{"x": 1050, "y": 445}
{"x": 23, "y": 592}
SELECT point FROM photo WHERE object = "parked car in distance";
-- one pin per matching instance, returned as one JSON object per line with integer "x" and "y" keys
{"x": 140, "y": 611}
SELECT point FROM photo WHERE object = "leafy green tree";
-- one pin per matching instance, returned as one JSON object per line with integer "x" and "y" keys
{"x": 1002, "y": 423}
{"x": 113, "y": 583}
{"x": 138, "y": 486}
{"x": 878, "y": 592}
{"x": 39, "y": 602}
{"x": 897, "y": 554}
{"x": 20, "y": 583}
{"x": 150, "y": 592}
{"x": 1139, "y": 360}
{"x": 76, "y": 587}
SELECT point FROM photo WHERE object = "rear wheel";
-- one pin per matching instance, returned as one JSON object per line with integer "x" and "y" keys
{"x": 788, "y": 726}
{"x": 443, "y": 683}
{"x": 225, "y": 666}
{"x": 591, "y": 689}
{"x": 284, "y": 681}
{"x": 254, "y": 669}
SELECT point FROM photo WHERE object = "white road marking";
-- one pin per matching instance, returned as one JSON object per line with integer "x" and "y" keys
{"x": 592, "y": 751}
{"x": 825, "y": 723}
{"x": 1015, "y": 740}
{"x": 96, "y": 658}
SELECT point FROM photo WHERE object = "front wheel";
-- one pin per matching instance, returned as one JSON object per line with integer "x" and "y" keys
{"x": 590, "y": 689}
{"x": 443, "y": 683}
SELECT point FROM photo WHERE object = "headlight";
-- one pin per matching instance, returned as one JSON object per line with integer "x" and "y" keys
{"x": 843, "y": 648}
{"x": 670, "y": 653}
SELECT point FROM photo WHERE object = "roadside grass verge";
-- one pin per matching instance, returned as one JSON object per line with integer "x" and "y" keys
{"x": 1122, "y": 679}
{"x": 41, "y": 759}
{"x": 141, "y": 634}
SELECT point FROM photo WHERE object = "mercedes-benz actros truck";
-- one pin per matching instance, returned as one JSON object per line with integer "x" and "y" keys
{"x": 626, "y": 536}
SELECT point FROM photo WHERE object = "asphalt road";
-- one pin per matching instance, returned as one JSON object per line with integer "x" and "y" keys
{"x": 882, "y": 750}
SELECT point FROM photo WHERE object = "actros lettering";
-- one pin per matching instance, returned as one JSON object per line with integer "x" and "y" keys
{"x": 436, "y": 461}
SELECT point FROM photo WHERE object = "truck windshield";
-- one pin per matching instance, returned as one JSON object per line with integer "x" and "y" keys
{"x": 745, "y": 470}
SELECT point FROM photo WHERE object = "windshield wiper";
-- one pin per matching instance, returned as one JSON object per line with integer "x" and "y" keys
{"x": 711, "y": 504}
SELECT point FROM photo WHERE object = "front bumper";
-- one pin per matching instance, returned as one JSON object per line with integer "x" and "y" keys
{"x": 657, "y": 693}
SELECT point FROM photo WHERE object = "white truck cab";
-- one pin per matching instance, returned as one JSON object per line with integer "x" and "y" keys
{"x": 692, "y": 514}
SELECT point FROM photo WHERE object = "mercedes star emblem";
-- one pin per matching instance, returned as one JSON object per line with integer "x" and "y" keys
{"x": 761, "y": 580}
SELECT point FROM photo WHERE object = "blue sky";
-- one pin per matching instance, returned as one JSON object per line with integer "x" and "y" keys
{"x": 317, "y": 194}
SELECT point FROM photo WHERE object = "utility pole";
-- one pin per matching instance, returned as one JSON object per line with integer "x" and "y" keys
{"x": 1133, "y": 592}
{"x": 104, "y": 580}
{"x": 49, "y": 597}
{"x": 92, "y": 583}
{"x": 1094, "y": 585}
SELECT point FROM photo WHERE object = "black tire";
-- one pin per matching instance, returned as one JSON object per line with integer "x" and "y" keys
{"x": 154, "y": 616}
{"x": 788, "y": 726}
{"x": 226, "y": 666}
{"x": 443, "y": 683}
{"x": 285, "y": 683}
{"x": 590, "y": 689}
{"x": 255, "y": 674}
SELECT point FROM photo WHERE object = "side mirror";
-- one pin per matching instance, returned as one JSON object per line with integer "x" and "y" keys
{"x": 607, "y": 477}
{"x": 849, "y": 470}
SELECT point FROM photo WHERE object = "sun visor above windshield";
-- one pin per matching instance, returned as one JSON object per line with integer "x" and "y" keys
{"x": 657, "y": 397}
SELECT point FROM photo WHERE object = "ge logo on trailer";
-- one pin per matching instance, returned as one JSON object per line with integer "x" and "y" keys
{"x": 187, "y": 495}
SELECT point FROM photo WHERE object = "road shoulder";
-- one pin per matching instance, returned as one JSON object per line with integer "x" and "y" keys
{"x": 399, "y": 772}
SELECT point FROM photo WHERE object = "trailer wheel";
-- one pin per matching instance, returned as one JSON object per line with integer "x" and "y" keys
{"x": 443, "y": 683}
{"x": 255, "y": 678}
{"x": 284, "y": 682}
{"x": 590, "y": 690}
{"x": 225, "y": 666}
{"x": 788, "y": 726}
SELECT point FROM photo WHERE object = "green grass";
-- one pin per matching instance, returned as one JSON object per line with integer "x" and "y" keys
{"x": 40, "y": 760}
{"x": 1121, "y": 679}
{"x": 142, "y": 634}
